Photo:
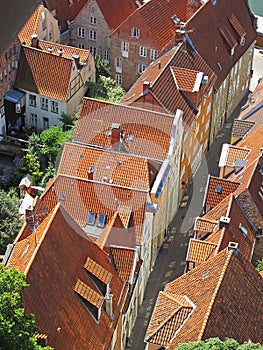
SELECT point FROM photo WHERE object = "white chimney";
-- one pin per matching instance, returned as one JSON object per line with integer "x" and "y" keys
{"x": 108, "y": 300}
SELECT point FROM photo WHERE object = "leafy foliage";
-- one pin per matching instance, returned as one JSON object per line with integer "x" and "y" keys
{"x": 17, "y": 329}
{"x": 217, "y": 344}
{"x": 106, "y": 89}
{"x": 9, "y": 219}
{"x": 259, "y": 266}
{"x": 101, "y": 68}
{"x": 67, "y": 121}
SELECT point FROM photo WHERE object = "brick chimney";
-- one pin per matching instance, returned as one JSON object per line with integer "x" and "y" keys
{"x": 34, "y": 40}
{"x": 146, "y": 86}
{"x": 224, "y": 222}
{"x": 91, "y": 172}
{"x": 76, "y": 58}
{"x": 115, "y": 134}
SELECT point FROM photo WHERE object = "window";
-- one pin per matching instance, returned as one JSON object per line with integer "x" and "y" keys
{"x": 106, "y": 56}
{"x": 81, "y": 32}
{"x": 33, "y": 118}
{"x": 54, "y": 107}
{"x": 92, "y": 35}
{"x": 125, "y": 49}
{"x": 50, "y": 35}
{"x": 93, "y": 20}
{"x": 32, "y": 100}
{"x": 92, "y": 9}
{"x": 45, "y": 123}
{"x": 81, "y": 46}
{"x": 135, "y": 33}
{"x": 141, "y": 68}
{"x": 101, "y": 220}
{"x": 91, "y": 218}
{"x": 118, "y": 79}
{"x": 44, "y": 103}
{"x": 93, "y": 50}
{"x": 118, "y": 64}
{"x": 143, "y": 51}
{"x": 153, "y": 54}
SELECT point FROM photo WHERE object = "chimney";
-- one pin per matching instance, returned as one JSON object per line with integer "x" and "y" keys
{"x": 224, "y": 222}
{"x": 50, "y": 49}
{"x": 34, "y": 40}
{"x": 159, "y": 65}
{"x": 146, "y": 86}
{"x": 115, "y": 135}
{"x": 108, "y": 300}
{"x": 60, "y": 52}
{"x": 232, "y": 246}
{"x": 91, "y": 171}
{"x": 76, "y": 58}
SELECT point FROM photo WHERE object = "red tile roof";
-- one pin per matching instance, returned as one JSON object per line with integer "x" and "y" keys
{"x": 200, "y": 251}
{"x": 124, "y": 260}
{"x": 121, "y": 169}
{"x": 79, "y": 197}
{"x": 162, "y": 86}
{"x": 60, "y": 313}
{"x": 217, "y": 189}
{"x": 171, "y": 311}
{"x": 34, "y": 73}
{"x": 65, "y": 11}
{"x": 216, "y": 287}
{"x": 31, "y": 26}
{"x": 216, "y": 28}
{"x": 240, "y": 128}
{"x": 145, "y": 133}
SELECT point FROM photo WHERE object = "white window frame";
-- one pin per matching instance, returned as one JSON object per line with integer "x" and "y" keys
{"x": 135, "y": 32}
{"x": 54, "y": 106}
{"x": 93, "y": 50}
{"x": 141, "y": 68}
{"x": 118, "y": 78}
{"x": 81, "y": 32}
{"x": 44, "y": 103}
{"x": 106, "y": 56}
{"x": 92, "y": 35}
{"x": 32, "y": 100}
{"x": 118, "y": 64}
{"x": 143, "y": 51}
{"x": 93, "y": 20}
{"x": 153, "y": 54}
{"x": 81, "y": 46}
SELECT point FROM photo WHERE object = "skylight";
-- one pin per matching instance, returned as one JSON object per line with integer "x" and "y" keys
{"x": 101, "y": 220}
{"x": 91, "y": 218}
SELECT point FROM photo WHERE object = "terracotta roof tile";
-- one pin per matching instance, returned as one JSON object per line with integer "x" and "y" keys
{"x": 31, "y": 26}
{"x": 214, "y": 289}
{"x": 79, "y": 197}
{"x": 217, "y": 189}
{"x": 68, "y": 51}
{"x": 123, "y": 259}
{"x": 240, "y": 128}
{"x": 233, "y": 153}
{"x": 64, "y": 244}
{"x": 200, "y": 251}
{"x": 98, "y": 271}
{"x": 34, "y": 73}
{"x": 146, "y": 133}
{"x": 162, "y": 85}
{"x": 170, "y": 313}
{"x": 88, "y": 293}
{"x": 185, "y": 78}
{"x": 65, "y": 11}
{"x": 204, "y": 226}
{"x": 215, "y": 48}
{"x": 105, "y": 165}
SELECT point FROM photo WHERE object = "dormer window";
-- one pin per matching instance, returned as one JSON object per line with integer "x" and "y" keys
{"x": 135, "y": 33}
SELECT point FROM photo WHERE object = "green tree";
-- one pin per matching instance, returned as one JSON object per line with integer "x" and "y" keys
{"x": 67, "y": 121}
{"x": 259, "y": 266}
{"x": 9, "y": 219}
{"x": 218, "y": 344}
{"x": 106, "y": 89}
{"x": 52, "y": 139}
{"x": 17, "y": 329}
{"x": 31, "y": 165}
{"x": 101, "y": 68}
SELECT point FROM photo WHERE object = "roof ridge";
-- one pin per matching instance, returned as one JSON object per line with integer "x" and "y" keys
{"x": 229, "y": 255}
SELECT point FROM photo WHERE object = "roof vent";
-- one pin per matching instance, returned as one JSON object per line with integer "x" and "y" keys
{"x": 175, "y": 20}
{"x": 62, "y": 196}
{"x": 239, "y": 164}
{"x": 205, "y": 79}
{"x": 232, "y": 246}
{"x": 131, "y": 137}
{"x": 138, "y": 4}
{"x": 213, "y": 2}
{"x": 50, "y": 49}
{"x": 224, "y": 222}
{"x": 60, "y": 52}
{"x": 219, "y": 66}
{"x": 206, "y": 275}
